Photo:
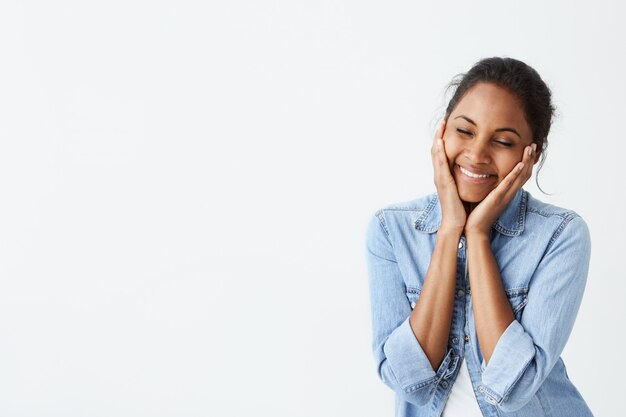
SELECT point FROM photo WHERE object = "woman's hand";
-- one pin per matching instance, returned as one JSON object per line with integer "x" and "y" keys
{"x": 452, "y": 210}
{"x": 484, "y": 215}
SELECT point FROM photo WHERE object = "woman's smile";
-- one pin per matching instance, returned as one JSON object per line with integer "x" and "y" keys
{"x": 473, "y": 177}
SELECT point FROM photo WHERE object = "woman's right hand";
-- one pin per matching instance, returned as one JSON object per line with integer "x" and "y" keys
{"x": 452, "y": 210}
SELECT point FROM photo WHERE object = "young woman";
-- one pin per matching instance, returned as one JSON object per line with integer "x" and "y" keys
{"x": 475, "y": 288}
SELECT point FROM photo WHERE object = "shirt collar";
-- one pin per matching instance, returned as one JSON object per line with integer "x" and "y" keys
{"x": 510, "y": 222}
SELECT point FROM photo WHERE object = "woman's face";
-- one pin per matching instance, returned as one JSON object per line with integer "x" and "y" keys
{"x": 484, "y": 138}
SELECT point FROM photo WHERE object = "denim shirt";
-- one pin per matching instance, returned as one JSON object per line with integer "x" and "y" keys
{"x": 542, "y": 252}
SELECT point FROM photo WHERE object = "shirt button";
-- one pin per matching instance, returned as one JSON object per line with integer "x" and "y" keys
{"x": 444, "y": 384}
{"x": 460, "y": 293}
{"x": 466, "y": 338}
{"x": 460, "y": 244}
{"x": 481, "y": 389}
{"x": 413, "y": 304}
{"x": 455, "y": 340}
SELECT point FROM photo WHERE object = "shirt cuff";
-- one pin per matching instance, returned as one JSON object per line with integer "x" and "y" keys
{"x": 407, "y": 359}
{"x": 510, "y": 358}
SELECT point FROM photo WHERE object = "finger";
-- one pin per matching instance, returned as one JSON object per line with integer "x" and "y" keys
{"x": 437, "y": 150}
{"x": 442, "y": 159}
{"x": 518, "y": 175}
{"x": 509, "y": 181}
{"x": 529, "y": 156}
{"x": 443, "y": 176}
{"x": 440, "y": 129}
{"x": 531, "y": 160}
{"x": 438, "y": 133}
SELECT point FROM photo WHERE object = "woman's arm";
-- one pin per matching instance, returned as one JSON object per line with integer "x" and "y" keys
{"x": 492, "y": 310}
{"x": 432, "y": 315}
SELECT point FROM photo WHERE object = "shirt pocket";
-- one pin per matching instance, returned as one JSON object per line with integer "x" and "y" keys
{"x": 518, "y": 297}
{"x": 412, "y": 294}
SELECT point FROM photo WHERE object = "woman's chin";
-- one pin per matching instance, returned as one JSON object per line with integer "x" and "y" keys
{"x": 471, "y": 192}
{"x": 472, "y": 197}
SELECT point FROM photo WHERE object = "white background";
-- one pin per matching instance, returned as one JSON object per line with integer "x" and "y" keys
{"x": 185, "y": 188}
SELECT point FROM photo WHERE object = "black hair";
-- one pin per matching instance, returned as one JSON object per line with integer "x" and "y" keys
{"x": 523, "y": 81}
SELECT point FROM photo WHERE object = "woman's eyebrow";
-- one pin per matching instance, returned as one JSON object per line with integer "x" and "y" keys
{"x": 501, "y": 129}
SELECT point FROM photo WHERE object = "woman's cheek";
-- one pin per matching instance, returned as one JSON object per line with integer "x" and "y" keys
{"x": 451, "y": 153}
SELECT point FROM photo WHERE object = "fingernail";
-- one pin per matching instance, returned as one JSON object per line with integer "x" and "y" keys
{"x": 534, "y": 145}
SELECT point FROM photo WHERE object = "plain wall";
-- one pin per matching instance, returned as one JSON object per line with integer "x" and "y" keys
{"x": 186, "y": 185}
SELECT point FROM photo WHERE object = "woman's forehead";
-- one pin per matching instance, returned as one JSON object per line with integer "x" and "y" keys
{"x": 489, "y": 106}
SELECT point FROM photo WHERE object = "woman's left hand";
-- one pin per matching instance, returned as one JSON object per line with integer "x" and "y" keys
{"x": 484, "y": 215}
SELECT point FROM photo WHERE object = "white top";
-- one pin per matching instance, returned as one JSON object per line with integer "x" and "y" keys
{"x": 462, "y": 401}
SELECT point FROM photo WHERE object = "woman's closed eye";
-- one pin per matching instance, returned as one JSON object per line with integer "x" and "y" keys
{"x": 504, "y": 143}
{"x": 500, "y": 142}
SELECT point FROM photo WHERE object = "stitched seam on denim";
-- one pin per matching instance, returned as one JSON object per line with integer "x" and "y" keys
{"x": 445, "y": 364}
{"x": 381, "y": 220}
{"x": 506, "y": 232}
{"x": 548, "y": 214}
{"x": 522, "y": 211}
{"x": 449, "y": 371}
{"x": 517, "y": 291}
{"x": 492, "y": 394}
{"x": 419, "y": 223}
{"x": 521, "y": 215}
{"x": 414, "y": 387}
{"x": 436, "y": 378}
{"x": 402, "y": 209}
{"x": 381, "y": 224}
{"x": 521, "y": 305}
{"x": 558, "y": 231}
{"x": 413, "y": 290}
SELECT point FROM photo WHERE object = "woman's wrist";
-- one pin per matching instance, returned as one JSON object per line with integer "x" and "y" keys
{"x": 476, "y": 234}
{"x": 450, "y": 231}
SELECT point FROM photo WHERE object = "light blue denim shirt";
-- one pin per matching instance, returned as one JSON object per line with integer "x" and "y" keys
{"x": 543, "y": 253}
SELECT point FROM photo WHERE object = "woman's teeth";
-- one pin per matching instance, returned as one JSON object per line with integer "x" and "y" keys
{"x": 471, "y": 174}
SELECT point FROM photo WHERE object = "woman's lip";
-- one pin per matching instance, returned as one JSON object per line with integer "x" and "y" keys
{"x": 473, "y": 180}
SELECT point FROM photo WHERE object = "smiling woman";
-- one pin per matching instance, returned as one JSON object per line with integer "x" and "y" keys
{"x": 475, "y": 288}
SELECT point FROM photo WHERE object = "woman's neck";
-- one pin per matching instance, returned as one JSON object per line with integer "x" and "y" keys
{"x": 469, "y": 207}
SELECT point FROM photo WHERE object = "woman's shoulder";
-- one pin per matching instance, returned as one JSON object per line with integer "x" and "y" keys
{"x": 551, "y": 217}
{"x": 408, "y": 214}
{"x": 541, "y": 208}
{"x": 419, "y": 204}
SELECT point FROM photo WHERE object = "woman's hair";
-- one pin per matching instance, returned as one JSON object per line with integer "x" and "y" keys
{"x": 524, "y": 82}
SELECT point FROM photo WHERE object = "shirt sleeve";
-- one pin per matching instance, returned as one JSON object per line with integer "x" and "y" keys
{"x": 527, "y": 351}
{"x": 400, "y": 361}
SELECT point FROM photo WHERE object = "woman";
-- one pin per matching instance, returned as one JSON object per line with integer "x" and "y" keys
{"x": 475, "y": 289}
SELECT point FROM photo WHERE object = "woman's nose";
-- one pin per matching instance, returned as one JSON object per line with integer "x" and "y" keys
{"x": 478, "y": 151}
